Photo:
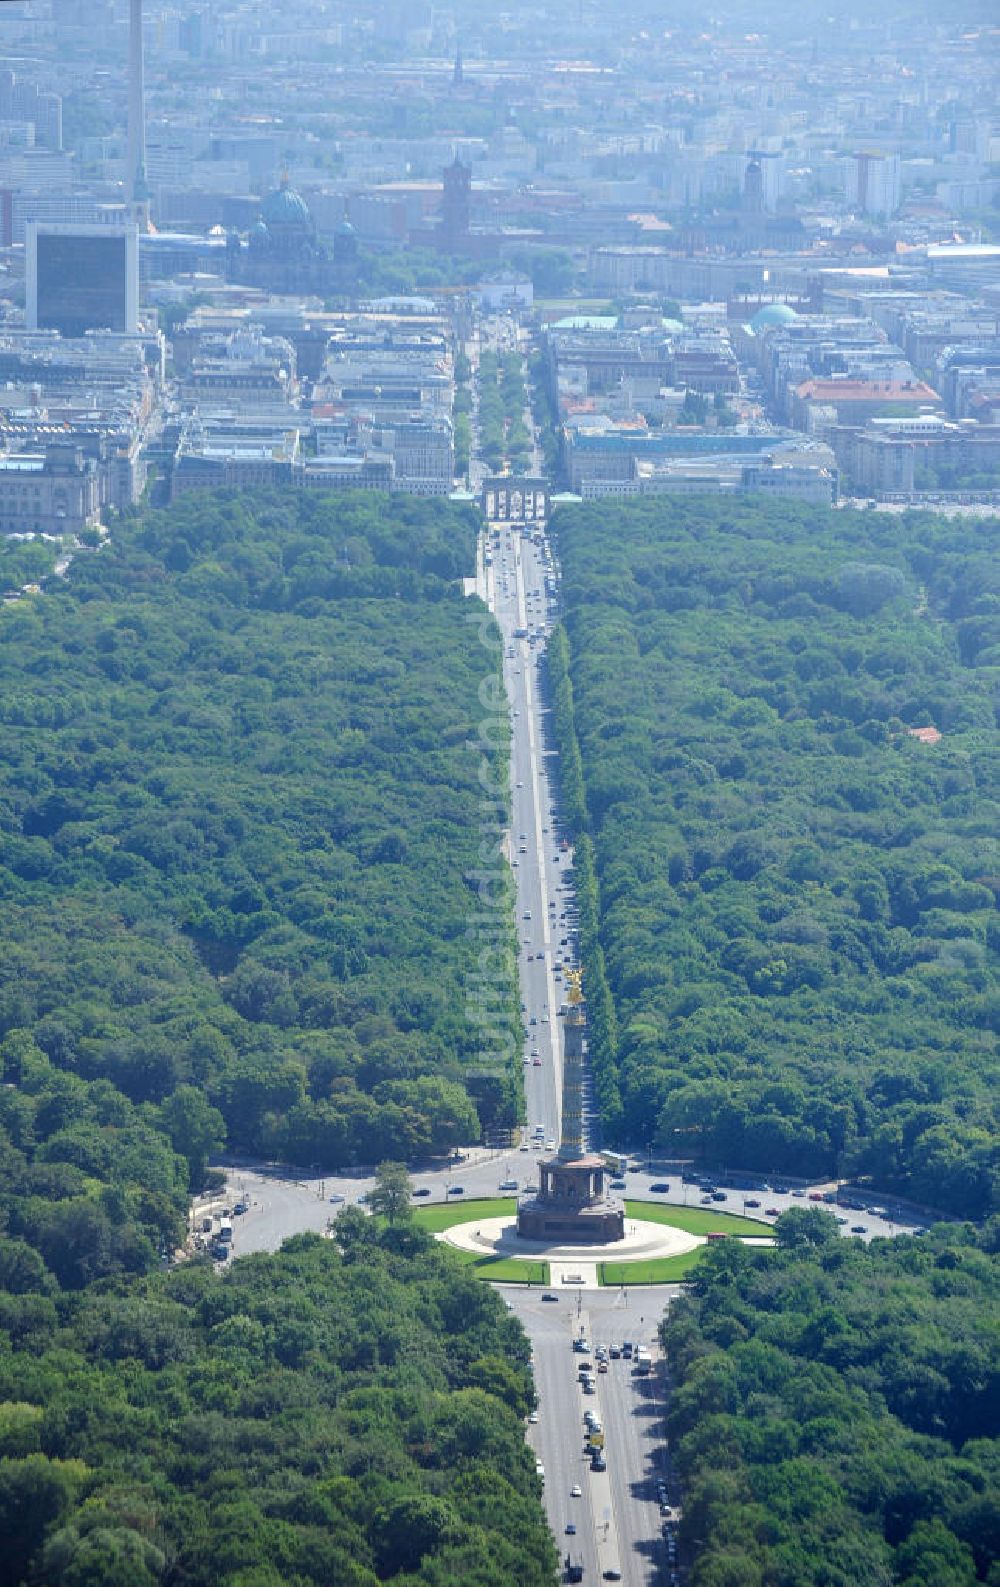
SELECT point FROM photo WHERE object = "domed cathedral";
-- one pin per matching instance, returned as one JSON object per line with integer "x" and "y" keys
{"x": 286, "y": 215}
{"x": 282, "y": 252}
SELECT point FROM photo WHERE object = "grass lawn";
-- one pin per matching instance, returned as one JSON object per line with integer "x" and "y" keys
{"x": 458, "y": 1210}
{"x": 497, "y": 1269}
{"x": 504, "y": 1269}
{"x": 695, "y": 1220}
{"x": 659, "y": 1270}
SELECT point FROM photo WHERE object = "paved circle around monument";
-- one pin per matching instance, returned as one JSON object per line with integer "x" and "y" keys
{"x": 643, "y": 1242}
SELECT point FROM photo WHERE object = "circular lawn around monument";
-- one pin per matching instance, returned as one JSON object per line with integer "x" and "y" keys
{"x": 697, "y": 1220}
{"x": 446, "y": 1214}
{"x": 658, "y": 1270}
{"x": 507, "y": 1269}
{"x": 496, "y": 1269}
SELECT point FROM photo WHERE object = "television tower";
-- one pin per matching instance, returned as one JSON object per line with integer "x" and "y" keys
{"x": 137, "y": 193}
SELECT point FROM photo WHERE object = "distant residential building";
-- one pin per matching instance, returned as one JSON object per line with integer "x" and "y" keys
{"x": 612, "y": 455}
{"x": 231, "y": 459}
{"x": 244, "y": 370}
{"x": 857, "y": 400}
{"x": 21, "y": 100}
{"x": 814, "y": 481}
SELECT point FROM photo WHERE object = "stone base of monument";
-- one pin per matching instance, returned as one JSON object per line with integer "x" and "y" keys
{"x": 641, "y": 1242}
{"x": 539, "y": 1220}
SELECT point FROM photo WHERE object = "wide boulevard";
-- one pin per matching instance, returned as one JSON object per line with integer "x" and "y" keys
{"x": 614, "y": 1521}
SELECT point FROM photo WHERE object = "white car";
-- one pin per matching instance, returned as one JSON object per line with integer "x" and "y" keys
{"x": 533, "y": 1417}
{"x": 575, "y": 1491}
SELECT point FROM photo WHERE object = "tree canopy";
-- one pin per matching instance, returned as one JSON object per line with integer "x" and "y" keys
{"x": 833, "y": 1417}
{"x": 240, "y": 806}
{"x": 788, "y": 884}
{"x": 335, "y": 1413}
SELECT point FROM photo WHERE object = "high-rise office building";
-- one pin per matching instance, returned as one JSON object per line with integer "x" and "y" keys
{"x": 872, "y": 182}
{"x": 81, "y": 278}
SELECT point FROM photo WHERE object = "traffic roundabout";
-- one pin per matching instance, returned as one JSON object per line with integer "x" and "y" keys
{"x": 644, "y": 1241}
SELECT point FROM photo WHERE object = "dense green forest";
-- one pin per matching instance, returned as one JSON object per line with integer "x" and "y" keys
{"x": 788, "y": 901}
{"x": 325, "y": 1416}
{"x": 834, "y": 1410}
{"x": 239, "y": 807}
{"x": 25, "y": 561}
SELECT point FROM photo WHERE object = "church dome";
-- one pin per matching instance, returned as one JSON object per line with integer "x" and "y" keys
{"x": 771, "y": 315}
{"x": 285, "y": 207}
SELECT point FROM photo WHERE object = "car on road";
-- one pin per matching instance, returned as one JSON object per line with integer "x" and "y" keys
{"x": 598, "y": 1463}
{"x": 549, "y": 1296}
{"x": 612, "y": 1573}
{"x": 337, "y": 1198}
{"x": 615, "y": 1353}
{"x": 571, "y": 1529}
{"x": 576, "y": 1491}
{"x": 772, "y": 1212}
{"x": 421, "y": 1190}
{"x": 751, "y": 1201}
{"x": 858, "y": 1228}
{"x": 533, "y": 1418}
{"x": 456, "y": 1190}
{"x": 617, "y": 1184}
{"x": 537, "y": 1062}
{"x": 507, "y": 1184}
{"x": 660, "y": 1188}
{"x": 718, "y": 1195}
